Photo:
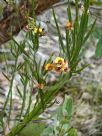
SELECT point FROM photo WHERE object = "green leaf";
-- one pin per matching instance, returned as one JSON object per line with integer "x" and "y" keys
{"x": 41, "y": 95}
{"x": 72, "y": 132}
{"x": 98, "y": 51}
{"x": 81, "y": 69}
{"x": 68, "y": 105}
{"x": 19, "y": 92}
{"x": 59, "y": 113}
{"x": 5, "y": 76}
{"x": 89, "y": 32}
{"x": 48, "y": 130}
{"x": 81, "y": 31}
{"x": 55, "y": 88}
{"x": 68, "y": 45}
{"x": 59, "y": 33}
{"x": 69, "y": 12}
{"x": 33, "y": 129}
{"x": 97, "y": 32}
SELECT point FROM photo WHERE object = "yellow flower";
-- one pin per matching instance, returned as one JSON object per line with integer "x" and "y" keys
{"x": 62, "y": 66}
{"x": 59, "y": 61}
{"x": 40, "y": 30}
{"x": 65, "y": 68}
{"x": 59, "y": 65}
{"x": 69, "y": 26}
{"x": 49, "y": 67}
{"x": 35, "y": 30}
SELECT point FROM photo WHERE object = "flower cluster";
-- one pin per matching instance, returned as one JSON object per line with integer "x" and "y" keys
{"x": 59, "y": 65}
{"x": 39, "y": 30}
{"x": 35, "y": 29}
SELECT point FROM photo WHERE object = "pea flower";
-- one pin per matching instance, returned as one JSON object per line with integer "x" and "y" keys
{"x": 59, "y": 60}
{"x": 49, "y": 67}
{"x": 65, "y": 67}
{"x": 59, "y": 65}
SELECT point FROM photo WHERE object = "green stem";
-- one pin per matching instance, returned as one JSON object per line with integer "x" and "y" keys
{"x": 34, "y": 113}
{"x": 38, "y": 109}
{"x": 60, "y": 132}
{"x": 3, "y": 126}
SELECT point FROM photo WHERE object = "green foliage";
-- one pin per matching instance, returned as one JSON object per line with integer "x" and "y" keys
{"x": 76, "y": 37}
{"x": 99, "y": 47}
{"x": 72, "y": 132}
{"x": 34, "y": 76}
{"x": 98, "y": 36}
{"x": 68, "y": 106}
{"x": 40, "y": 128}
{"x": 62, "y": 117}
{"x": 33, "y": 129}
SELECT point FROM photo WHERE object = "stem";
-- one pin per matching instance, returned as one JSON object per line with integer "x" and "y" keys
{"x": 60, "y": 132}
{"x": 38, "y": 109}
{"x": 34, "y": 113}
{"x": 3, "y": 126}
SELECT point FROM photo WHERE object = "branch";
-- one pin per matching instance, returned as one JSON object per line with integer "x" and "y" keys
{"x": 14, "y": 19}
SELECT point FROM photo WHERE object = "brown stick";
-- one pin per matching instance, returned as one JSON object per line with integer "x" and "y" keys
{"x": 12, "y": 23}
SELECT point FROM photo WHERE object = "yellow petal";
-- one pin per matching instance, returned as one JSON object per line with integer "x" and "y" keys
{"x": 59, "y": 60}
{"x": 35, "y": 30}
{"x": 40, "y": 30}
{"x": 49, "y": 67}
